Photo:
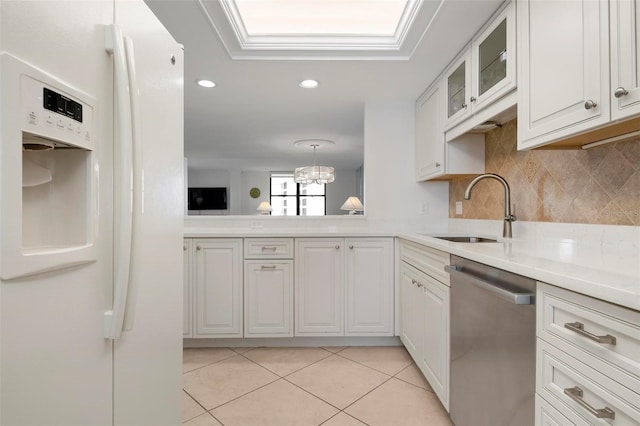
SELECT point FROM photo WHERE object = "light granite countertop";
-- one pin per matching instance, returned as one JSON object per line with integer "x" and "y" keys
{"x": 607, "y": 269}
{"x": 595, "y": 270}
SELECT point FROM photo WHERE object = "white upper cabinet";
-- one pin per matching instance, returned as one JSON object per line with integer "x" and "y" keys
{"x": 429, "y": 156}
{"x": 458, "y": 88}
{"x": 563, "y": 69}
{"x": 483, "y": 73}
{"x": 493, "y": 55}
{"x": 625, "y": 58}
{"x": 434, "y": 157}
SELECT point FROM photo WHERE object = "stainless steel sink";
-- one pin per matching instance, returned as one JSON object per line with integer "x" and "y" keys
{"x": 467, "y": 239}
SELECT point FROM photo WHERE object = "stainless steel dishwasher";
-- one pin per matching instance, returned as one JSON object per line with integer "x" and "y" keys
{"x": 492, "y": 346}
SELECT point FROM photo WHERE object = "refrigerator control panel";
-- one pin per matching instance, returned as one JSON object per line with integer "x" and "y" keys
{"x": 51, "y": 113}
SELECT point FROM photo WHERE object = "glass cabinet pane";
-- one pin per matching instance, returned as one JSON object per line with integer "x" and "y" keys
{"x": 493, "y": 58}
{"x": 456, "y": 90}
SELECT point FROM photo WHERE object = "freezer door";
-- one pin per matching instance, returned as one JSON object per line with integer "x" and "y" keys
{"x": 148, "y": 353}
{"x": 55, "y": 365}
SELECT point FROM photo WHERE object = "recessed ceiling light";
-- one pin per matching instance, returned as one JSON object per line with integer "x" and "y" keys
{"x": 308, "y": 84}
{"x": 206, "y": 83}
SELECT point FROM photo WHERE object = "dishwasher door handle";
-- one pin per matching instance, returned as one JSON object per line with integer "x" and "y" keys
{"x": 526, "y": 298}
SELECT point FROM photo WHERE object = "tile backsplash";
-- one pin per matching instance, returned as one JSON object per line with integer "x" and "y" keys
{"x": 596, "y": 186}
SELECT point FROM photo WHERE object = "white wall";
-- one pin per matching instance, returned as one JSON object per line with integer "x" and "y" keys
{"x": 253, "y": 179}
{"x": 343, "y": 187}
{"x": 391, "y": 192}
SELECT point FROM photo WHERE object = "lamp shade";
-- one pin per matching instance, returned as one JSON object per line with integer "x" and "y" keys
{"x": 264, "y": 208}
{"x": 353, "y": 204}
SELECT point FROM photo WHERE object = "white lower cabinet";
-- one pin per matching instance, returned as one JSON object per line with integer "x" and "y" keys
{"x": 369, "y": 284}
{"x": 424, "y": 314}
{"x": 340, "y": 278}
{"x": 218, "y": 287}
{"x": 587, "y": 360}
{"x": 434, "y": 362}
{"x": 187, "y": 288}
{"x": 319, "y": 287}
{"x": 325, "y": 287}
{"x": 268, "y": 298}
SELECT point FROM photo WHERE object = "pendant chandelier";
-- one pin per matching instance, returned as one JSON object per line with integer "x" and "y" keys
{"x": 314, "y": 174}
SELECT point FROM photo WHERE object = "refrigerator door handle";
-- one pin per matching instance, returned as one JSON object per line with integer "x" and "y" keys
{"x": 138, "y": 176}
{"x": 123, "y": 214}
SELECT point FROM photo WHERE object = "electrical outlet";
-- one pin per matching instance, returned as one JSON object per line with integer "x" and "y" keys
{"x": 424, "y": 208}
{"x": 458, "y": 207}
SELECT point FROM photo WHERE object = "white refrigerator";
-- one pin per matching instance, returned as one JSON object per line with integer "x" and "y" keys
{"x": 91, "y": 213}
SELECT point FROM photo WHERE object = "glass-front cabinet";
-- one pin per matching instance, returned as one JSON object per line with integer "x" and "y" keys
{"x": 458, "y": 88}
{"x": 485, "y": 70}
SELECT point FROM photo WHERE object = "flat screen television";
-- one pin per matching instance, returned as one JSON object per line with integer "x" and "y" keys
{"x": 207, "y": 198}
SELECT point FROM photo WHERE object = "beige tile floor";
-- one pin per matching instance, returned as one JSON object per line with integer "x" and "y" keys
{"x": 333, "y": 386}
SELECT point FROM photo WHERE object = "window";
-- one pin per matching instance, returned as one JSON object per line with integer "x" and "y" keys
{"x": 292, "y": 199}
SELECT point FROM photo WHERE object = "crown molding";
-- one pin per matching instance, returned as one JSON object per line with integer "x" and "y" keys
{"x": 224, "y": 18}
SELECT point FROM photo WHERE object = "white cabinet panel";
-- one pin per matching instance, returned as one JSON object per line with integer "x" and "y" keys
{"x": 319, "y": 287}
{"x": 218, "y": 288}
{"x": 434, "y": 362}
{"x": 424, "y": 314}
{"x": 268, "y": 298}
{"x": 411, "y": 308}
{"x": 563, "y": 69}
{"x": 369, "y": 285}
{"x": 430, "y": 145}
{"x": 625, "y": 58}
{"x": 187, "y": 288}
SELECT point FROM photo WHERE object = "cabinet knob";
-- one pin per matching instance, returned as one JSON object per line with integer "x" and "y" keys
{"x": 337, "y": 247}
{"x": 473, "y": 99}
{"x": 620, "y": 92}
{"x": 268, "y": 267}
{"x": 198, "y": 248}
{"x": 590, "y": 104}
{"x": 184, "y": 248}
{"x": 464, "y": 105}
{"x": 351, "y": 246}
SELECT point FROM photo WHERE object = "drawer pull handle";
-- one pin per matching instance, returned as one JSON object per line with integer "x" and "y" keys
{"x": 575, "y": 393}
{"x": 268, "y": 267}
{"x": 268, "y": 248}
{"x": 578, "y": 327}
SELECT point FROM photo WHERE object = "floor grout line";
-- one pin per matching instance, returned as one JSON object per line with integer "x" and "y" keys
{"x": 285, "y": 379}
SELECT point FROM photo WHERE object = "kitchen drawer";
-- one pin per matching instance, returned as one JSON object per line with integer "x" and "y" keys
{"x": 557, "y": 307}
{"x": 268, "y": 248}
{"x": 557, "y": 371}
{"x": 428, "y": 260}
{"x": 548, "y": 415}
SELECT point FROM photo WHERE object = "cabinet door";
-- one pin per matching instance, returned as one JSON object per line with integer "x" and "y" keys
{"x": 369, "y": 284}
{"x": 319, "y": 287}
{"x": 458, "y": 88}
{"x": 218, "y": 287}
{"x": 268, "y": 298}
{"x": 625, "y": 58}
{"x": 493, "y": 56}
{"x": 434, "y": 362}
{"x": 429, "y": 140}
{"x": 187, "y": 286}
{"x": 563, "y": 85}
{"x": 411, "y": 300}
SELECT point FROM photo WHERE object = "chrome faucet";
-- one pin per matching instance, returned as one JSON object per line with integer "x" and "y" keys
{"x": 508, "y": 217}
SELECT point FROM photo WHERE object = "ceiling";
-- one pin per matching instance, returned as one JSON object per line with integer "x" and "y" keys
{"x": 252, "y": 117}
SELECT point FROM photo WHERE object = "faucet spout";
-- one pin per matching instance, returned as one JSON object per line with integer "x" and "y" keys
{"x": 508, "y": 216}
